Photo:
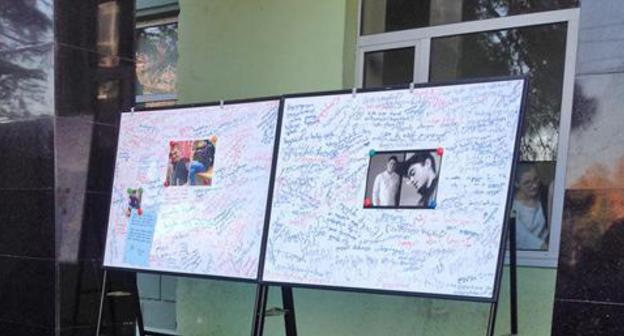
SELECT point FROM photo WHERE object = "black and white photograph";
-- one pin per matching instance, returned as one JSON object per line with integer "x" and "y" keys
{"x": 403, "y": 179}
{"x": 419, "y": 177}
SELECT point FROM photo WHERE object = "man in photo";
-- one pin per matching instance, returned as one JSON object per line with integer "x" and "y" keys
{"x": 203, "y": 157}
{"x": 386, "y": 186}
{"x": 420, "y": 175}
{"x": 178, "y": 166}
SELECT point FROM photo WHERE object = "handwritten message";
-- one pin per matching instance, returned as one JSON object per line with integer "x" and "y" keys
{"x": 139, "y": 239}
{"x": 321, "y": 234}
{"x": 212, "y": 229}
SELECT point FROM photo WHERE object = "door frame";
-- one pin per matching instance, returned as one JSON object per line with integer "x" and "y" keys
{"x": 420, "y": 40}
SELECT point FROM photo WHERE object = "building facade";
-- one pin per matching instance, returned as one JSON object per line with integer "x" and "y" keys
{"x": 68, "y": 69}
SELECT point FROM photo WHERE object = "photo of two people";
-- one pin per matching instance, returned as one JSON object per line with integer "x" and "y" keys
{"x": 403, "y": 179}
{"x": 191, "y": 162}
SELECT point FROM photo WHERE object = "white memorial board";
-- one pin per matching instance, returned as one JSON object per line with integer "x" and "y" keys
{"x": 190, "y": 189}
{"x": 401, "y": 190}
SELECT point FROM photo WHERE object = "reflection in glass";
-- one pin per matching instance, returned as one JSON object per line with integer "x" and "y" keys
{"x": 537, "y": 52}
{"x": 26, "y": 61}
{"x": 157, "y": 59}
{"x": 24, "y": 23}
{"x": 532, "y": 204}
{"x": 108, "y": 34}
{"x": 108, "y": 90}
{"x": 388, "y": 67}
{"x": 380, "y": 16}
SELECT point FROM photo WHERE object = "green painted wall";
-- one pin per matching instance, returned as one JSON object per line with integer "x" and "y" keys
{"x": 250, "y": 48}
{"x": 208, "y": 307}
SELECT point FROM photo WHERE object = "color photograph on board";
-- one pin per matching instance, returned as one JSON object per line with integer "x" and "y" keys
{"x": 191, "y": 162}
{"x": 181, "y": 178}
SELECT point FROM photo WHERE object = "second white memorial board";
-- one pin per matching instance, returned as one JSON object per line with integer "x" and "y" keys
{"x": 402, "y": 190}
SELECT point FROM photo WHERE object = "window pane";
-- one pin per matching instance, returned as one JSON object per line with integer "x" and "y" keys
{"x": 539, "y": 53}
{"x": 388, "y": 67}
{"x": 157, "y": 59}
{"x": 380, "y": 16}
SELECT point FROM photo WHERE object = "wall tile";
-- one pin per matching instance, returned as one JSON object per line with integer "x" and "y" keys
{"x": 26, "y": 23}
{"x": 10, "y": 328}
{"x": 27, "y": 223}
{"x": 75, "y": 88}
{"x": 80, "y": 293}
{"x": 79, "y": 331}
{"x": 27, "y": 154}
{"x": 87, "y": 87}
{"x": 587, "y": 319}
{"x": 149, "y": 285}
{"x": 600, "y": 48}
{"x": 93, "y": 235}
{"x": 77, "y": 25}
{"x": 27, "y": 83}
{"x": 83, "y": 236}
{"x": 27, "y": 291}
{"x": 102, "y": 158}
{"x": 169, "y": 285}
{"x": 591, "y": 255}
{"x": 159, "y": 314}
{"x": 596, "y": 154}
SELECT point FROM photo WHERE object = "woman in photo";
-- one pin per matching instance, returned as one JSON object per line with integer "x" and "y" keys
{"x": 530, "y": 206}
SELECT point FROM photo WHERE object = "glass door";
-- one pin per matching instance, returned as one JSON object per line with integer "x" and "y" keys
{"x": 541, "y": 46}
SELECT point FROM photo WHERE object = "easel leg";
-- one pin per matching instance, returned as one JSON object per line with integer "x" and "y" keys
{"x": 289, "y": 307}
{"x": 99, "y": 320}
{"x": 513, "y": 284}
{"x": 492, "y": 319}
{"x": 139, "y": 313}
{"x": 262, "y": 292}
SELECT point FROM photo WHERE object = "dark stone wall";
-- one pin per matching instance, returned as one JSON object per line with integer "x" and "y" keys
{"x": 94, "y": 83}
{"x": 589, "y": 299}
{"x": 63, "y": 84}
{"x": 27, "y": 259}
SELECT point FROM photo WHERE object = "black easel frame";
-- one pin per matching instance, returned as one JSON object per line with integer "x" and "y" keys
{"x": 288, "y": 305}
{"x": 138, "y": 313}
{"x": 508, "y": 229}
{"x": 287, "y": 297}
{"x": 513, "y": 287}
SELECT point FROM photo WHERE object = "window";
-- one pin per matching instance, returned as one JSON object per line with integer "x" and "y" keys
{"x": 380, "y": 16}
{"x": 540, "y": 45}
{"x": 156, "y": 62}
{"x": 389, "y": 67}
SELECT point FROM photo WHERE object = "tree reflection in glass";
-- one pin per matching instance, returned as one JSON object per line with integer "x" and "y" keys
{"x": 156, "y": 59}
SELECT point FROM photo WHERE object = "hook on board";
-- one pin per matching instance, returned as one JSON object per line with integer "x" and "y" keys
{"x": 221, "y": 103}
{"x": 411, "y": 87}
{"x": 353, "y": 92}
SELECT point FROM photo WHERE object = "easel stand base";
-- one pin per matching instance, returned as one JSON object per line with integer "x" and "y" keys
{"x": 513, "y": 286}
{"x": 134, "y": 292}
{"x": 260, "y": 312}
